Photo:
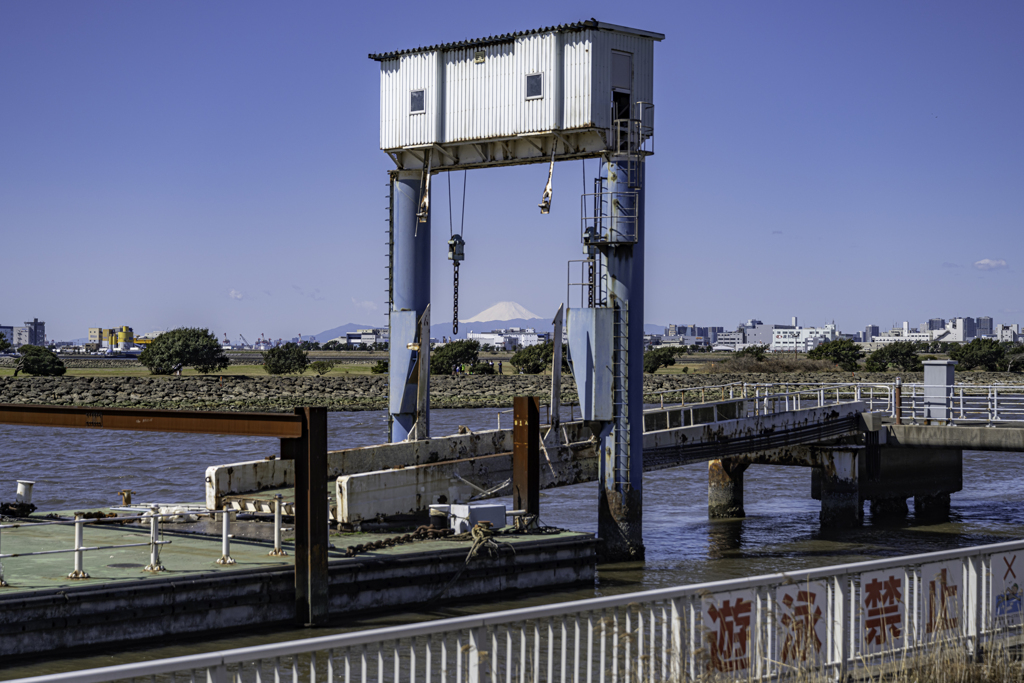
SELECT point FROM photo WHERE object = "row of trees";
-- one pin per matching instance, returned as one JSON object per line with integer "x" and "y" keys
{"x": 198, "y": 348}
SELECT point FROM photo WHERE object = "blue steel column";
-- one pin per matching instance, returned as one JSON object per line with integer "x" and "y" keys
{"x": 411, "y": 287}
{"x": 620, "y": 506}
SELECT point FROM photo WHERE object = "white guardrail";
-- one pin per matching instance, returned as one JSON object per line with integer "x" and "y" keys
{"x": 958, "y": 403}
{"x": 831, "y": 622}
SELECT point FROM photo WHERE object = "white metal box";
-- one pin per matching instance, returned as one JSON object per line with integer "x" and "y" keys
{"x": 462, "y": 518}
{"x": 561, "y": 78}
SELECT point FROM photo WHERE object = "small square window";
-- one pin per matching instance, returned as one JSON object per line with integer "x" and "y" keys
{"x": 534, "y": 86}
{"x": 479, "y": 56}
{"x": 416, "y": 105}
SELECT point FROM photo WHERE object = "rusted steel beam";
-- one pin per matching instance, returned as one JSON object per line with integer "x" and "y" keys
{"x": 279, "y": 425}
{"x": 526, "y": 454}
{"x": 312, "y": 606}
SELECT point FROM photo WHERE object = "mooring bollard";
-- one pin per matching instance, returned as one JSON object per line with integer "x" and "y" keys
{"x": 154, "y": 542}
{"x": 79, "y": 572}
{"x": 278, "y": 504}
{"x": 225, "y": 545}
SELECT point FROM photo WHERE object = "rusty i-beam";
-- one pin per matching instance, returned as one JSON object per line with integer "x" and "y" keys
{"x": 303, "y": 436}
{"x": 526, "y": 454}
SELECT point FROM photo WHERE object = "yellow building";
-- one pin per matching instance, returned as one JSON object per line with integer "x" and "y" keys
{"x": 112, "y": 336}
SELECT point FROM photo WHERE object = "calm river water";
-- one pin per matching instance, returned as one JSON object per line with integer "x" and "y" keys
{"x": 79, "y": 469}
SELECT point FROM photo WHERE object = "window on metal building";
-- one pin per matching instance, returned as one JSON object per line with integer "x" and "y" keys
{"x": 416, "y": 102}
{"x": 534, "y": 86}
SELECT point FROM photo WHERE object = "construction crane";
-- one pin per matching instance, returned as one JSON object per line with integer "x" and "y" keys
{"x": 245, "y": 342}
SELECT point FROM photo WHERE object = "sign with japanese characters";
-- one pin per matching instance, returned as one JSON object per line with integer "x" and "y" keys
{"x": 729, "y": 630}
{"x": 942, "y": 593}
{"x": 800, "y": 621}
{"x": 1007, "y": 572}
{"x": 883, "y": 609}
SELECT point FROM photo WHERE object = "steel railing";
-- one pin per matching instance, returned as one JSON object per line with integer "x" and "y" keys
{"x": 743, "y": 400}
{"x": 152, "y": 515}
{"x": 962, "y": 403}
{"x": 832, "y": 622}
{"x": 919, "y": 403}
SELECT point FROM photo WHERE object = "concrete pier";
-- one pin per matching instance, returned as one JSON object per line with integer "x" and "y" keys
{"x": 841, "y": 504}
{"x": 889, "y": 508}
{"x": 620, "y": 502}
{"x": 725, "y": 489}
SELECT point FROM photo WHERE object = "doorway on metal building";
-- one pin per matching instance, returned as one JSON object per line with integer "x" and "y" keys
{"x": 622, "y": 88}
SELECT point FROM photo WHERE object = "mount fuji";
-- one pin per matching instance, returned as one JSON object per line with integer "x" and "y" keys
{"x": 502, "y": 311}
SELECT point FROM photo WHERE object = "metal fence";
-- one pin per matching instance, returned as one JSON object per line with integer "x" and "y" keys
{"x": 835, "y": 621}
{"x": 918, "y": 403}
{"x": 152, "y": 515}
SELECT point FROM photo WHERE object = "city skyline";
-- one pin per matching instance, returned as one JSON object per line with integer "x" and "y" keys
{"x": 218, "y": 165}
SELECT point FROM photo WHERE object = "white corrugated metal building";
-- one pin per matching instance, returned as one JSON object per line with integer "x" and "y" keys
{"x": 562, "y": 86}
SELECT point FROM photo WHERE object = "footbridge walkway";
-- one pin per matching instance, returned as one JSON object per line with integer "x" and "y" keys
{"x": 883, "y": 443}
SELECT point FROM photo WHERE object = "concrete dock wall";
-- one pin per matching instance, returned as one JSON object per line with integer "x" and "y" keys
{"x": 79, "y": 617}
{"x": 567, "y": 457}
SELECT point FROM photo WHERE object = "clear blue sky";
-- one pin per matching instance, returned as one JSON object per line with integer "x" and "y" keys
{"x": 216, "y": 164}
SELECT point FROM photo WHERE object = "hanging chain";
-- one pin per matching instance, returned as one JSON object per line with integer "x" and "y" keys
{"x": 455, "y": 301}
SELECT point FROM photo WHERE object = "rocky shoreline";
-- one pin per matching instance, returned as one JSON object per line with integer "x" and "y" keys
{"x": 369, "y": 392}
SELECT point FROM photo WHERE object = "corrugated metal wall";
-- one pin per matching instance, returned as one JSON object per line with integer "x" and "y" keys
{"x": 478, "y": 97}
{"x": 469, "y": 101}
{"x": 489, "y": 100}
{"x": 642, "y": 50}
{"x": 578, "y": 52}
{"x": 398, "y": 78}
{"x": 537, "y": 54}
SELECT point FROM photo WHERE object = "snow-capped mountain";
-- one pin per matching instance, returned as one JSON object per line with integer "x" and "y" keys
{"x": 503, "y": 310}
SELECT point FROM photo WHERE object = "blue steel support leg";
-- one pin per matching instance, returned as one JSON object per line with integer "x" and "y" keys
{"x": 411, "y": 295}
{"x": 620, "y": 507}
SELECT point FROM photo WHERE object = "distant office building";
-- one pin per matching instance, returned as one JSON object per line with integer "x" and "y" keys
{"x": 1007, "y": 333}
{"x": 960, "y": 330}
{"x": 8, "y": 332}
{"x": 368, "y": 336}
{"x": 904, "y": 333}
{"x": 801, "y": 339}
{"x": 937, "y": 324}
{"x": 733, "y": 339}
{"x": 870, "y": 332}
{"x": 762, "y": 335}
{"x": 511, "y": 338}
{"x": 671, "y": 331}
{"x": 30, "y": 333}
{"x": 983, "y": 326}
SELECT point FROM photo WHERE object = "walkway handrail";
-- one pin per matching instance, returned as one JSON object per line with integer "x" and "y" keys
{"x": 947, "y": 404}
{"x": 154, "y": 541}
{"x": 670, "y": 633}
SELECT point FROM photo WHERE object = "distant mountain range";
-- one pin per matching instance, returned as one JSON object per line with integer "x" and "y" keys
{"x": 328, "y": 335}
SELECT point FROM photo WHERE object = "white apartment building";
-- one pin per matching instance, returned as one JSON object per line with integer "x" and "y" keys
{"x": 802, "y": 339}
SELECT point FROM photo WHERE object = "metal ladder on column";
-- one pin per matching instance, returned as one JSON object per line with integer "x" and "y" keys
{"x": 620, "y": 392}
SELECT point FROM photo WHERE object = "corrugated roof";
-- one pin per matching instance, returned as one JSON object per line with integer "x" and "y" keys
{"x": 509, "y": 37}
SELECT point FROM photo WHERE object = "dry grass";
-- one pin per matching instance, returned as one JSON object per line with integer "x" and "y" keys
{"x": 139, "y": 371}
{"x": 772, "y": 364}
